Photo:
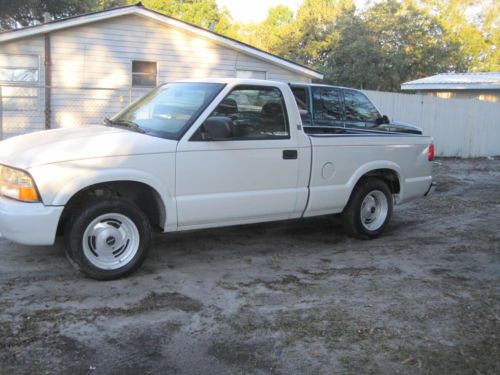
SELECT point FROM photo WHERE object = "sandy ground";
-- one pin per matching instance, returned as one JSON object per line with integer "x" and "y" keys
{"x": 295, "y": 297}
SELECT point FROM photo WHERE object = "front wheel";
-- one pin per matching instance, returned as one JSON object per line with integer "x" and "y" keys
{"x": 369, "y": 209}
{"x": 108, "y": 239}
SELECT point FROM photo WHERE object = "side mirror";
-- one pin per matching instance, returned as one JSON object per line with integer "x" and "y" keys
{"x": 383, "y": 120}
{"x": 218, "y": 128}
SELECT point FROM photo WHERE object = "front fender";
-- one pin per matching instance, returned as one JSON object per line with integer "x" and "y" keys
{"x": 57, "y": 183}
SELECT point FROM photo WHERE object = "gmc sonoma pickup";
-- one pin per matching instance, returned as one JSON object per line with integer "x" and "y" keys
{"x": 199, "y": 154}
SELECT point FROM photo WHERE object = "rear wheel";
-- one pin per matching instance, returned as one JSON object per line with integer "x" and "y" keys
{"x": 369, "y": 209}
{"x": 108, "y": 239}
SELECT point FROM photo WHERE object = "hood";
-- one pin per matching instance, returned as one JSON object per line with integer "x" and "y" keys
{"x": 60, "y": 145}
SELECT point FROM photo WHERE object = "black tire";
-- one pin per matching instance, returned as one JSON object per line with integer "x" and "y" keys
{"x": 81, "y": 220}
{"x": 352, "y": 216}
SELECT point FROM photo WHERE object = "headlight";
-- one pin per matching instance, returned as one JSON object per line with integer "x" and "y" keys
{"x": 17, "y": 184}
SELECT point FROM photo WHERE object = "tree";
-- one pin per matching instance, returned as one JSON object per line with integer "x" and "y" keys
{"x": 203, "y": 13}
{"x": 309, "y": 38}
{"x": 412, "y": 42}
{"x": 388, "y": 43}
{"x": 267, "y": 34}
{"x": 355, "y": 58}
{"x": 15, "y": 13}
{"x": 474, "y": 25}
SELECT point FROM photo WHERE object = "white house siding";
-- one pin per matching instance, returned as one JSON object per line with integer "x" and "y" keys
{"x": 245, "y": 62}
{"x": 19, "y": 122}
{"x": 99, "y": 56}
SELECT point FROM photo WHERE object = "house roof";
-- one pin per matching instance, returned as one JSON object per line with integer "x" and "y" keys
{"x": 140, "y": 10}
{"x": 456, "y": 81}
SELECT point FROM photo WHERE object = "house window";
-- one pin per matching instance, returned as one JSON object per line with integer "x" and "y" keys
{"x": 488, "y": 98}
{"x": 144, "y": 73}
{"x": 444, "y": 94}
{"x": 256, "y": 74}
{"x": 19, "y": 78}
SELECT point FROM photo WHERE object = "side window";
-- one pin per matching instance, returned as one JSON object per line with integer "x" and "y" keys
{"x": 254, "y": 112}
{"x": 359, "y": 108}
{"x": 327, "y": 104}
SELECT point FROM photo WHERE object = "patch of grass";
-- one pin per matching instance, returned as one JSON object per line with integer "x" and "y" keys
{"x": 332, "y": 326}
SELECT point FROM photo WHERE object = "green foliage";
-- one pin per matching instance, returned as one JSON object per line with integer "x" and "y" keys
{"x": 387, "y": 44}
{"x": 475, "y": 26}
{"x": 203, "y": 13}
{"x": 311, "y": 35}
{"x": 267, "y": 34}
{"x": 16, "y": 13}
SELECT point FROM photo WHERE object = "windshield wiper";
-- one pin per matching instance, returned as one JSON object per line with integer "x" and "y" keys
{"x": 124, "y": 123}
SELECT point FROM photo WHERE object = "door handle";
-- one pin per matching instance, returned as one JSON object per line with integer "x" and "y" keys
{"x": 290, "y": 154}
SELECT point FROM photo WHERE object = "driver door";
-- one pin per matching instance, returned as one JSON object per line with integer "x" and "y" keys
{"x": 251, "y": 175}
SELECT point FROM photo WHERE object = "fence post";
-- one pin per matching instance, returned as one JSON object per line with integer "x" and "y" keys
{"x": 48, "y": 81}
{"x": 1, "y": 114}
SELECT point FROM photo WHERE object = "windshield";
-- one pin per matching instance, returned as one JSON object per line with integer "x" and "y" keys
{"x": 170, "y": 109}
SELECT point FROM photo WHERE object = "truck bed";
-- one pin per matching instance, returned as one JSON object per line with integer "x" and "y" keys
{"x": 340, "y": 159}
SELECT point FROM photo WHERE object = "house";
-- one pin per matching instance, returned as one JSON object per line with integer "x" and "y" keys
{"x": 482, "y": 86}
{"x": 77, "y": 70}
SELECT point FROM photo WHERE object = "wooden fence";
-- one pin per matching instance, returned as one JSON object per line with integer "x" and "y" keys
{"x": 460, "y": 127}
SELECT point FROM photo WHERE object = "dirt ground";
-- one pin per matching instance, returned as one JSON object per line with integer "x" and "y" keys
{"x": 294, "y": 297}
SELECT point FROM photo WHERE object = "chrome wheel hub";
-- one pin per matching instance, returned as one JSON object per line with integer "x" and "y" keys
{"x": 374, "y": 210}
{"x": 110, "y": 241}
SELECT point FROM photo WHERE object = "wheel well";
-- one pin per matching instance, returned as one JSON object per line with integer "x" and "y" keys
{"x": 144, "y": 196}
{"x": 388, "y": 175}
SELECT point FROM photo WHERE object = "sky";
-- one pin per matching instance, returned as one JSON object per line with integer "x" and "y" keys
{"x": 256, "y": 10}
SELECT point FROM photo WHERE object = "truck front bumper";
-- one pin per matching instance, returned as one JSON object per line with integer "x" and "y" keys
{"x": 28, "y": 223}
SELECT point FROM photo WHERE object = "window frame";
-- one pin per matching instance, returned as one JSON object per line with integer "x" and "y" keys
{"x": 196, "y": 137}
{"x": 23, "y": 84}
{"x": 132, "y": 74}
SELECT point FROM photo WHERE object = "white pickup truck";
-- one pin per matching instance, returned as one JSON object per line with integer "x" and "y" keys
{"x": 199, "y": 154}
